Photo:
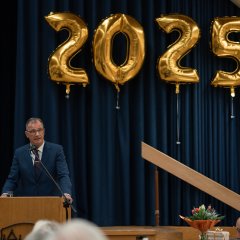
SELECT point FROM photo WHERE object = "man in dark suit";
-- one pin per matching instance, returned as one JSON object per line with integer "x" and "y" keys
{"x": 29, "y": 178}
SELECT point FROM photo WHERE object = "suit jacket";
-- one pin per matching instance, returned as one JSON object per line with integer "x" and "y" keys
{"x": 22, "y": 181}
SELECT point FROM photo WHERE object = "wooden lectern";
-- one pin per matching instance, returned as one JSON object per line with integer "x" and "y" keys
{"x": 18, "y": 214}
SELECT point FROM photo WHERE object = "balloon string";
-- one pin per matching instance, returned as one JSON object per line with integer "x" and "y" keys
{"x": 178, "y": 122}
{"x": 117, "y": 107}
{"x": 232, "y": 110}
{"x": 67, "y": 91}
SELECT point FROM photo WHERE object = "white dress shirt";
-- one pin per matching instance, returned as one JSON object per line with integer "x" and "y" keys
{"x": 40, "y": 151}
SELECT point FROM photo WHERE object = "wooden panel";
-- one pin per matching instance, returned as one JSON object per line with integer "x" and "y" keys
{"x": 166, "y": 233}
{"x": 158, "y": 232}
{"x": 30, "y": 209}
{"x": 135, "y": 232}
{"x": 191, "y": 176}
{"x": 18, "y": 214}
{"x": 16, "y": 231}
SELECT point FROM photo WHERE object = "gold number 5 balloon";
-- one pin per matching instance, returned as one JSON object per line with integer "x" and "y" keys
{"x": 59, "y": 65}
{"x": 169, "y": 66}
{"x": 102, "y": 48}
{"x": 222, "y": 46}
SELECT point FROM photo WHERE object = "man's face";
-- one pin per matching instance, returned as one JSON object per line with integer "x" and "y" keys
{"x": 35, "y": 133}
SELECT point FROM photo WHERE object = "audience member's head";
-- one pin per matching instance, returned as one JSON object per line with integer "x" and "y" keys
{"x": 238, "y": 227}
{"x": 43, "y": 229}
{"x": 79, "y": 229}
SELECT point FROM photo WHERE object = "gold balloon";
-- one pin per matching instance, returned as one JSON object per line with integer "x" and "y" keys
{"x": 222, "y": 46}
{"x": 168, "y": 64}
{"x": 59, "y": 66}
{"x": 102, "y": 48}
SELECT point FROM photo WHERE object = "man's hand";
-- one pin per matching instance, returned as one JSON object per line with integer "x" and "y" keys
{"x": 68, "y": 197}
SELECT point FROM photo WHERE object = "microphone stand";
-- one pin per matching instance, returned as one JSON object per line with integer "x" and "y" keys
{"x": 66, "y": 202}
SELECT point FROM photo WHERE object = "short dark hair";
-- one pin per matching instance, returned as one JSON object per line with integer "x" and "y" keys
{"x": 34, "y": 119}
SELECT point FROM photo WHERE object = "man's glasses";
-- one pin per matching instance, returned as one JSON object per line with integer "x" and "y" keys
{"x": 35, "y": 131}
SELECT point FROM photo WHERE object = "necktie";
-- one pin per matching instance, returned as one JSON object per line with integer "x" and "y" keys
{"x": 37, "y": 164}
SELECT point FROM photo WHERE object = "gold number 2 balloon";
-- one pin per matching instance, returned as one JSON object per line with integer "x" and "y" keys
{"x": 222, "y": 46}
{"x": 59, "y": 66}
{"x": 102, "y": 48}
{"x": 168, "y": 65}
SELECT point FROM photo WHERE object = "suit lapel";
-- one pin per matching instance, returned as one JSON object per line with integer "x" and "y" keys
{"x": 29, "y": 161}
{"x": 45, "y": 154}
{"x": 44, "y": 159}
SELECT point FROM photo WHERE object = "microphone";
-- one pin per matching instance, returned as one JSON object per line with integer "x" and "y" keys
{"x": 66, "y": 203}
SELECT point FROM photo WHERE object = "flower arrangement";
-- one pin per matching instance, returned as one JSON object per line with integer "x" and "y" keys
{"x": 203, "y": 213}
{"x": 203, "y": 218}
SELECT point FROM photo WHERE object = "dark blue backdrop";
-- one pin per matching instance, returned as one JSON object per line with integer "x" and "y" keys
{"x": 113, "y": 185}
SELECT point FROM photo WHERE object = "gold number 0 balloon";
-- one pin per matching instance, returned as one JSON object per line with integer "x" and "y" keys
{"x": 102, "y": 48}
{"x": 223, "y": 47}
{"x": 169, "y": 66}
{"x": 59, "y": 66}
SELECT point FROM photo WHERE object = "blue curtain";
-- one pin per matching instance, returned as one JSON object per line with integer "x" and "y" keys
{"x": 112, "y": 184}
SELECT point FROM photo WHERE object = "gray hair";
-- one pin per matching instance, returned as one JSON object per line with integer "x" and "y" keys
{"x": 79, "y": 229}
{"x": 34, "y": 119}
{"x": 43, "y": 229}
